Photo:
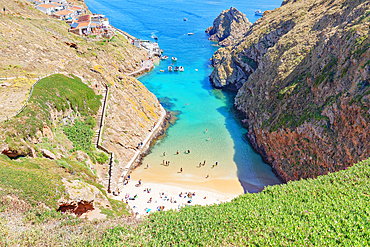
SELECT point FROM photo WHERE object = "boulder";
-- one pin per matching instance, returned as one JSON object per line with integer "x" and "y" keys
{"x": 230, "y": 25}
{"x": 81, "y": 156}
{"x": 48, "y": 154}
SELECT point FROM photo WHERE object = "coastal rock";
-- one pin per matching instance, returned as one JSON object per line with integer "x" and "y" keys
{"x": 230, "y": 25}
{"x": 83, "y": 198}
{"x": 48, "y": 154}
{"x": 81, "y": 156}
{"x": 302, "y": 74}
{"x": 15, "y": 150}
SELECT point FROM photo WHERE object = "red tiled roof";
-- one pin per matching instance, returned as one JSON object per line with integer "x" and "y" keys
{"x": 63, "y": 12}
{"x": 46, "y": 6}
{"x": 75, "y": 8}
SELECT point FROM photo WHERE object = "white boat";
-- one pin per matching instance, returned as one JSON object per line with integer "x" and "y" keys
{"x": 161, "y": 70}
{"x": 174, "y": 59}
{"x": 258, "y": 12}
{"x": 181, "y": 69}
{"x": 190, "y": 33}
{"x": 164, "y": 57}
{"x": 170, "y": 68}
{"x": 185, "y": 19}
{"x": 176, "y": 69}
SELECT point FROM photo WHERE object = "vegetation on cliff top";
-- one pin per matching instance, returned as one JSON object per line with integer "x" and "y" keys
{"x": 29, "y": 194}
{"x": 56, "y": 92}
{"x": 330, "y": 210}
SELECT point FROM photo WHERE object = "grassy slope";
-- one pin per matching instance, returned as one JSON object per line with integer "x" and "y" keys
{"x": 54, "y": 92}
{"x": 329, "y": 210}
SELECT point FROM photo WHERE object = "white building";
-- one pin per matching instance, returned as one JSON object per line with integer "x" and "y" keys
{"x": 46, "y": 8}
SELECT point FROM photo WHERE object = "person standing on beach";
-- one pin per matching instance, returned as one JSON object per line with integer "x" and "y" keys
{"x": 188, "y": 151}
{"x": 181, "y": 169}
{"x": 164, "y": 153}
{"x": 177, "y": 152}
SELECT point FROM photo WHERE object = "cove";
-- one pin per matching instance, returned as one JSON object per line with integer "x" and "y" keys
{"x": 207, "y": 124}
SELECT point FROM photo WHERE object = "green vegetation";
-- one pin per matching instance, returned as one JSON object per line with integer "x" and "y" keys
{"x": 29, "y": 181}
{"x": 330, "y": 210}
{"x": 66, "y": 93}
{"x": 80, "y": 134}
{"x": 39, "y": 180}
{"x": 54, "y": 92}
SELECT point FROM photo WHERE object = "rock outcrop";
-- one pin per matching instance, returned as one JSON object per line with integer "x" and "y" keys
{"x": 83, "y": 198}
{"x": 230, "y": 25}
{"x": 303, "y": 77}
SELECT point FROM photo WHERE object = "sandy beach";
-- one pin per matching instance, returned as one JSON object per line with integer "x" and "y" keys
{"x": 151, "y": 197}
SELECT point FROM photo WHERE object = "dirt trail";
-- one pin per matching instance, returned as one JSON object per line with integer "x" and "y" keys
{"x": 13, "y": 93}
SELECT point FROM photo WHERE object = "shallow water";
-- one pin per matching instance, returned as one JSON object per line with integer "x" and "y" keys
{"x": 190, "y": 93}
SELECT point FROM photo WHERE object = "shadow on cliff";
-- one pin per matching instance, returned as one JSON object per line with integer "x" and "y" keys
{"x": 253, "y": 173}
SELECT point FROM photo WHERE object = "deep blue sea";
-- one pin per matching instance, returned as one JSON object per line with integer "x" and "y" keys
{"x": 190, "y": 93}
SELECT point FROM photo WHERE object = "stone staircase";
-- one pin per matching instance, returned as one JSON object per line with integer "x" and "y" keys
{"x": 100, "y": 120}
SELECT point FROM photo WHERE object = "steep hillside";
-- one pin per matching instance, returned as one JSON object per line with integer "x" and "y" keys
{"x": 303, "y": 74}
{"x": 33, "y": 44}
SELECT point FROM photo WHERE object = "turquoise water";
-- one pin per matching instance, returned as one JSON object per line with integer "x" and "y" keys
{"x": 190, "y": 93}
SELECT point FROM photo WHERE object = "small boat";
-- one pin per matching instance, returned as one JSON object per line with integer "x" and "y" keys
{"x": 176, "y": 69}
{"x": 161, "y": 70}
{"x": 258, "y": 12}
{"x": 181, "y": 69}
{"x": 185, "y": 19}
{"x": 196, "y": 69}
{"x": 174, "y": 59}
{"x": 190, "y": 33}
{"x": 164, "y": 57}
{"x": 170, "y": 68}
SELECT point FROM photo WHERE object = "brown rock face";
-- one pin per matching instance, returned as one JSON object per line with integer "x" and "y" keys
{"x": 77, "y": 208}
{"x": 303, "y": 73}
{"x": 230, "y": 25}
{"x": 83, "y": 198}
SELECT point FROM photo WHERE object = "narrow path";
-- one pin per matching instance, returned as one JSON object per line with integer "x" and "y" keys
{"x": 147, "y": 65}
{"x": 28, "y": 98}
{"x": 128, "y": 167}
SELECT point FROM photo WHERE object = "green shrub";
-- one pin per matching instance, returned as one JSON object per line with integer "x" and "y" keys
{"x": 101, "y": 158}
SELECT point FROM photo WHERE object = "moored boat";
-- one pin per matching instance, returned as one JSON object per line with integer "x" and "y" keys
{"x": 181, "y": 69}
{"x": 170, "y": 68}
{"x": 164, "y": 57}
{"x": 258, "y": 12}
{"x": 174, "y": 59}
{"x": 161, "y": 70}
{"x": 190, "y": 33}
{"x": 176, "y": 69}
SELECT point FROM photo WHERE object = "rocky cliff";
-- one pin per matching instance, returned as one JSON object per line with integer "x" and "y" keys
{"x": 303, "y": 77}
{"x": 230, "y": 25}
